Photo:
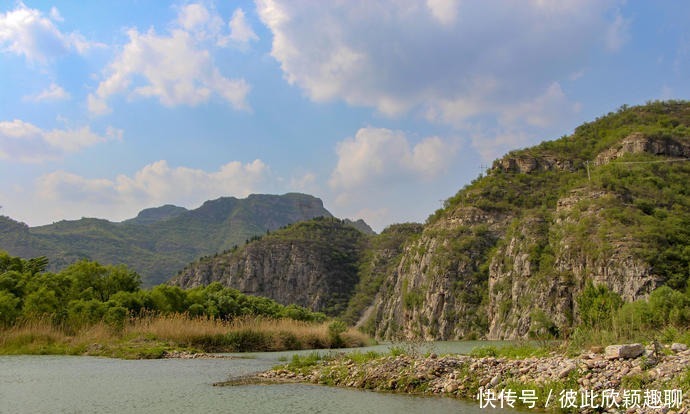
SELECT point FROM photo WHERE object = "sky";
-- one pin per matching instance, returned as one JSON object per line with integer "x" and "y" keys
{"x": 381, "y": 108}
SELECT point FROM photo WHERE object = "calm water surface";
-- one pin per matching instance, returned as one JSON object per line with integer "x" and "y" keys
{"x": 64, "y": 384}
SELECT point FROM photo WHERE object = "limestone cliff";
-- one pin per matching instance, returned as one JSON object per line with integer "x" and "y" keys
{"x": 312, "y": 264}
{"x": 511, "y": 252}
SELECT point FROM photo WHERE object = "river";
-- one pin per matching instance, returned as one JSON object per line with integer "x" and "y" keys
{"x": 74, "y": 384}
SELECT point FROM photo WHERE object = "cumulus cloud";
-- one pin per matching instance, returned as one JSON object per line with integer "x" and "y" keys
{"x": 175, "y": 68}
{"x": 240, "y": 30}
{"x": 54, "y": 92}
{"x": 154, "y": 184}
{"x": 24, "y": 142}
{"x": 456, "y": 63}
{"x": 28, "y": 32}
{"x": 377, "y": 157}
{"x": 305, "y": 183}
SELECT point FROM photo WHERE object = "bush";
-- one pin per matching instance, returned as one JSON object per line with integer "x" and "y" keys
{"x": 115, "y": 317}
{"x": 336, "y": 328}
{"x": 597, "y": 305}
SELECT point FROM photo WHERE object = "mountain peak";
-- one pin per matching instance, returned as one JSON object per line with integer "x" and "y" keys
{"x": 156, "y": 214}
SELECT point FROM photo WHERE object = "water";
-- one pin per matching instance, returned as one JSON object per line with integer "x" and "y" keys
{"x": 66, "y": 384}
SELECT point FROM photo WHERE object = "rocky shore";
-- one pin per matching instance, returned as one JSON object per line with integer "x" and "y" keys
{"x": 193, "y": 355}
{"x": 620, "y": 380}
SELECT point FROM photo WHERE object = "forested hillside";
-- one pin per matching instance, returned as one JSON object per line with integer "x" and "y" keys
{"x": 159, "y": 241}
{"x": 548, "y": 237}
{"x": 512, "y": 253}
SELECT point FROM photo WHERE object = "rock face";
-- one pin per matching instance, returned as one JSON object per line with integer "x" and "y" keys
{"x": 527, "y": 164}
{"x": 311, "y": 264}
{"x": 638, "y": 142}
{"x": 509, "y": 254}
{"x": 437, "y": 288}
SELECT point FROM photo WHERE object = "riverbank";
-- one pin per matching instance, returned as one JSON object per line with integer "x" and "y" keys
{"x": 175, "y": 335}
{"x": 647, "y": 383}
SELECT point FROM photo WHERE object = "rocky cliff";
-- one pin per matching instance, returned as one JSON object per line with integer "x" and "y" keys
{"x": 510, "y": 253}
{"x": 312, "y": 264}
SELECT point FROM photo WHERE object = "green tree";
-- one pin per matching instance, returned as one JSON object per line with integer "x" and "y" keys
{"x": 9, "y": 308}
{"x": 597, "y": 305}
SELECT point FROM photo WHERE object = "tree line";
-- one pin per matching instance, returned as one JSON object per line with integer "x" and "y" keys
{"x": 87, "y": 292}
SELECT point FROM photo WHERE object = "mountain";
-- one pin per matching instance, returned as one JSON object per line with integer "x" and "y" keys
{"x": 160, "y": 241}
{"x": 511, "y": 252}
{"x": 156, "y": 214}
{"x": 311, "y": 263}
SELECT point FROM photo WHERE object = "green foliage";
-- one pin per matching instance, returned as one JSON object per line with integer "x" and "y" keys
{"x": 518, "y": 350}
{"x": 9, "y": 308}
{"x": 86, "y": 292}
{"x": 301, "y": 362}
{"x": 336, "y": 328}
{"x": 597, "y": 305}
{"x": 378, "y": 260}
{"x": 664, "y": 316}
{"x": 542, "y": 327}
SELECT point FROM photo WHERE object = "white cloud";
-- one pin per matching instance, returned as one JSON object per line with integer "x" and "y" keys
{"x": 495, "y": 143}
{"x": 445, "y": 11}
{"x": 174, "y": 68}
{"x": 510, "y": 125}
{"x": 240, "y": 30}
{"x": 618, "y": 33}
{"x": 54, "y": 92}
{"x": 305, "y": 183}
{"x": 193, "y": 16}
{"x": 24, "y": 142}
{"x": 378, "y": 157}
{"x": 154, "y": 184}
{"x": 543, "y": 111}
{"x": 27, "y": 32}
{"x": 450, "y": 60}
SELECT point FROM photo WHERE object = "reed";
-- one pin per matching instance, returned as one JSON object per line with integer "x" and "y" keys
{"x": 151, "y": 335}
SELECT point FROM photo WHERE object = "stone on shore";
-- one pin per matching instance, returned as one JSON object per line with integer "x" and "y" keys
{"x": 626, "y": 351}
{"x": 676, "y": 347}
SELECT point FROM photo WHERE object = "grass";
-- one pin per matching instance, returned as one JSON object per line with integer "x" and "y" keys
{"x": 151, "y": 336}
{"x": 584, "y": 338}
{"x": 513, "y": 351}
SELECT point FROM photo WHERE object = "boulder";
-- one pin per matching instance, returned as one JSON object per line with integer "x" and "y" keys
{"x": 677, "y": 347}
{"x": 623, "y": 351}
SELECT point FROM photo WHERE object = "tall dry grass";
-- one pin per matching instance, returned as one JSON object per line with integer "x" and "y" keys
{"x": 151, "y": 335}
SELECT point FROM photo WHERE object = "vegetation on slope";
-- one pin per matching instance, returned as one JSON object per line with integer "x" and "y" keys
{"x": 159, "y": 241}
{"x": 514, "y": 191}
{"x": 313, "y": 263}
{"x": 379, "y": 259}
{"x": 544, "y": 220}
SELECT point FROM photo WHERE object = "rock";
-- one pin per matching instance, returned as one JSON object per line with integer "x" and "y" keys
{"x": 495, "y": 380}
{"x": 678, "y": 347}
{"x": 623, "y": 351}
{"x": 566, "y": 370}
{"x": 597, "y": 349}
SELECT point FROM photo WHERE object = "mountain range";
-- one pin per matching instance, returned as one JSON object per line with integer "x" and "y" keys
{"x": 512, "y": 251}
{"x": 507, "y": 256}
{"x": 161, "y": 241}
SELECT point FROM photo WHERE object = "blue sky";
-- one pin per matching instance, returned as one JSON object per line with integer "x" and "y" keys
{"x": 381, "y": 108}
